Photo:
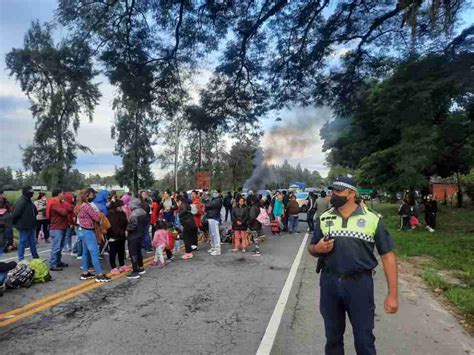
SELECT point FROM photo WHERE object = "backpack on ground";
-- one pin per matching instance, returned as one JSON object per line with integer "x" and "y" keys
{"x": 21, "y": 276}
{"x": 41, "y": 270}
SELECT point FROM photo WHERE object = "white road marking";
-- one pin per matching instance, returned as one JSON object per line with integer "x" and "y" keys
{"x": 28, "y": 255}
{"x": 268, "y": 339}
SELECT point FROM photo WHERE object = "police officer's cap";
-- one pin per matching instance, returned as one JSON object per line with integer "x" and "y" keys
{"x": 343, "y": 183}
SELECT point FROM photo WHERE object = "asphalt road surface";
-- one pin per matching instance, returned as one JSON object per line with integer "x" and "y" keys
{"x": 210, "y": 305}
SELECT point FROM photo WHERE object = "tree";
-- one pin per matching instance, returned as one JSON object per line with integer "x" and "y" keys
{"x": 58, "y": 82}
{"x": 173, "y": 135}
{"x": 134, "y": 129}
{"x": 6, "y": 179}
{"x": 239, "y": 162}
{"x": 415, "y": 124}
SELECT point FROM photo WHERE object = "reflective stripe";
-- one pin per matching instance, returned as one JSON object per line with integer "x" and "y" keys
{"x": 352, "y": 234}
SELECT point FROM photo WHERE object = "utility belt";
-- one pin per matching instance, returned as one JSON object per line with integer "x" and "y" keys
{"x": 353, "y": 275}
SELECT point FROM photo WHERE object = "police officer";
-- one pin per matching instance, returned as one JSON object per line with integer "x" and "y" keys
{"x": 345, "y": 236}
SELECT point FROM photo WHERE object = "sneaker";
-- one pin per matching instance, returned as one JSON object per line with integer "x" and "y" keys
{"x": 55, "y": 268}
{"x": 133, "y": 275}
{"x": 115, "y": 271}
{"x": 194, "y": 247}
{"x": 149, "y": 250}
{"x": 154, "y": 263}
{"x": 211, "y": 250}
{"x": 256, "y": 253}
{"x": 79, "y": 257}
{"x": 244, "y": 250}
{"x": 216, "y": 252}
{"x": 63, "y": 265}
{"x": 161, "y": 264}
{"x": 102, "y": 278}
{"x": 187, "y": 256}
{"x": 141, "y": 270}
{"x": 169, "y": 260}
{"x": 234, "y": 250}
{"x": 87, "y": 276}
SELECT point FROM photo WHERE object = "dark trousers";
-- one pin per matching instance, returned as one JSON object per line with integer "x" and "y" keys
{"x": 117, "y": 248}
{"x": 356, "y": 297}
{"x": 42, "y": 224}
{"x": 310, "y": 219}
{"x": 228, "y": 211}
{"x": 430, "y": 219}
{"x": 285, "y": 222}
{"x": 189, "y": 237}
{"x": 135, "y": 250}
{"x": 404, "y": 222}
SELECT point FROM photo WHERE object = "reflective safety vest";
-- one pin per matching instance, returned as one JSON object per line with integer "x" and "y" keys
{"x": 360, "y": 226}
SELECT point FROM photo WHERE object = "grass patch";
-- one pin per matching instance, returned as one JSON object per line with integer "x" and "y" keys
{"x": 450, "y": 248}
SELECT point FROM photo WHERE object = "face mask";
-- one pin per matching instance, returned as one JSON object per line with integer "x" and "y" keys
{"x": 338, "y": 201}
{"x": 29, "y": 194}
{"x": 90, "y": 199}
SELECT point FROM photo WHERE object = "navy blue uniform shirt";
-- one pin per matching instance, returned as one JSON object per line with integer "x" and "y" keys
{"x": 353, "y": 254}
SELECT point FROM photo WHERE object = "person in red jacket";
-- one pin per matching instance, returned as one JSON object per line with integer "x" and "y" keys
{"x": 155, "y": 211}
{"x": 58, "y": 213}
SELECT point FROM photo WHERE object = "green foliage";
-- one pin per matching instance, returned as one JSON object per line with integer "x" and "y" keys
{"x": 415, "y": 124}
{"x": 468, "y": 182}
{"x": 450, "y": 248}
{"x": 58, "y": 82}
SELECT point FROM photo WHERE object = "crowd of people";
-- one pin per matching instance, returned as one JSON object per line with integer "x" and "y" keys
{"x": 93, "y": 224}
{"x": 411, "y": 210}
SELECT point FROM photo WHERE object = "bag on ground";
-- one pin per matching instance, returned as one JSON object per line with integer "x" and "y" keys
{"x": 21, "y": 276}
{"x": 41, "y": 269}
{"x": 276, "y": 227}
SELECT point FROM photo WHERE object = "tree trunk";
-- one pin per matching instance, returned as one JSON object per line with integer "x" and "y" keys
{"x": 135, "y": 162}
{"x": 200, "y": 151}
{"x": 458, "y": 178}
{"x": 176, "y": 157}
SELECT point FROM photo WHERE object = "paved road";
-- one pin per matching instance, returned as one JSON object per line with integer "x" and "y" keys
{"x": 216, "y": 305}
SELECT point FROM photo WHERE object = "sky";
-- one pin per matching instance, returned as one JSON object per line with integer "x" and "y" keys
{"x": 281, "y": 139}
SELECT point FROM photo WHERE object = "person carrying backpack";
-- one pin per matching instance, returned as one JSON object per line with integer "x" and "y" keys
{"x": 87, "y": 218}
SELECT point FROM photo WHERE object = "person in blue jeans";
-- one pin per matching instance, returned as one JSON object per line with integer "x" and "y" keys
{"x": 24, "y": 220}
{"x": 87, "y": 217}
{"x": 57, "y": 212}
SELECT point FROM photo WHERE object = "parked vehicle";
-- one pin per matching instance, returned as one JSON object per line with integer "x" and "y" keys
{"x": 303, "y": 201}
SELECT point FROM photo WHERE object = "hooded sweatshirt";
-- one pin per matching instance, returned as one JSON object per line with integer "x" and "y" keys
{"x": 138, "y": 220}
{"x": 24, "y": 213}
{"x": 57, "y": 212}
{"x": 69, "y": 203}
{"x": 126, "y": 204}
{"x": 100, "y": 201}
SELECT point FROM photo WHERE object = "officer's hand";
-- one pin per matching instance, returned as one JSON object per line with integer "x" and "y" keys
{"x": 391, "y": 304}
{"x": 324, "y": 246}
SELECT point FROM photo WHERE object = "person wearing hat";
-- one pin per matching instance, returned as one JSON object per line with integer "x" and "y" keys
{"x": 345, "y": 237}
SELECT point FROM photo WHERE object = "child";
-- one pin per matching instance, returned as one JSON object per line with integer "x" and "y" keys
{"x": 116, "y": 237}
{"x": 160, "y": 243}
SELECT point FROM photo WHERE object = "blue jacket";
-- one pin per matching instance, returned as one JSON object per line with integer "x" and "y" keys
{"x": 101, "y": 201}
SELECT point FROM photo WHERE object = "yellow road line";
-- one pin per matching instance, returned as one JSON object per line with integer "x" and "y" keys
{"x": 54, "y": 299}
